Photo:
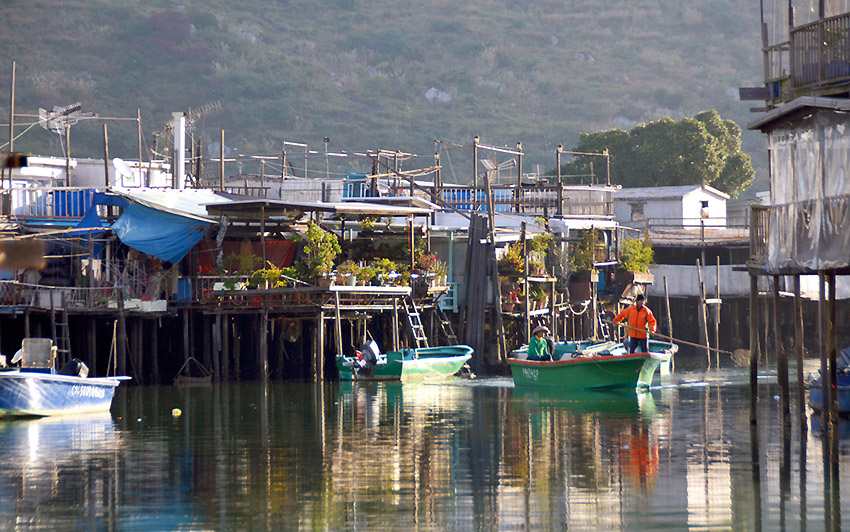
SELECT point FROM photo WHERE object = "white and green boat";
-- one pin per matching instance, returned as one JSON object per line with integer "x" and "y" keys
{"x": 406, "y": 365}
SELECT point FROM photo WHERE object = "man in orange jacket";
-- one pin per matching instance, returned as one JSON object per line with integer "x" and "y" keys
{"x": 640, "y": 321}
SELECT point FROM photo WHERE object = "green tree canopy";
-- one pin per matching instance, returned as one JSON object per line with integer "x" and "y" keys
{"x": 668, "y": 152}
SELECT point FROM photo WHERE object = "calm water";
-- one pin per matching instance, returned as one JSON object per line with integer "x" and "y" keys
{"x": 470, "y": 455}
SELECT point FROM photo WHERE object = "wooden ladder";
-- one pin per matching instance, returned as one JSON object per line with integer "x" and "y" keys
{"x": 60, "y": 333}
{"x": 415, "y": 322}
{"x": 445, "y": 325}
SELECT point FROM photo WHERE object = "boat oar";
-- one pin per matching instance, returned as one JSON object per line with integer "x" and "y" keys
{"x": 677, "y": 340}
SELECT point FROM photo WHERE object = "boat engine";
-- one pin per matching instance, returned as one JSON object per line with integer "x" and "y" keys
{"x": 75, "y": 367}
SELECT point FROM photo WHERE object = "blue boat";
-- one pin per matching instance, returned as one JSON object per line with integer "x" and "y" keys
{"x": 37, "y": 389}
{"x": 842, "y": 385}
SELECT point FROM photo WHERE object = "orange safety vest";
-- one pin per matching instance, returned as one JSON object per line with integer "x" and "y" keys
{"x": 637, "y": 320}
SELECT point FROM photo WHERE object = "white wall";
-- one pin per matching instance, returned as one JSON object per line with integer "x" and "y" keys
{"x": 684, "y": 281}
{"x": 692, "y": 206}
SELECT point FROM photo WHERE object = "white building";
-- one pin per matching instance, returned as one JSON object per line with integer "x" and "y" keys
{"x": 677, "y": 206}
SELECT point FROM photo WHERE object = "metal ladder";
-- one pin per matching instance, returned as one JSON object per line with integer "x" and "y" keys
{"x": 415, "y": 322}
{"x": 445, "y": 325}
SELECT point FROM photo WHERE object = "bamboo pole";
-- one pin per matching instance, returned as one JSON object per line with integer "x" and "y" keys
{"x": 703, "y": 317}
{"x": 667, "y": 303}
{"x": 717, "y": 315}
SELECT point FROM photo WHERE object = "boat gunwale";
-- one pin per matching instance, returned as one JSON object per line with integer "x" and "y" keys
{"x": 580, "y": 359}
{"x": 56, "y": 377}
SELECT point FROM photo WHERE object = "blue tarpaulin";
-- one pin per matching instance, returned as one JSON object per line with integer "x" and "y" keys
{"x": 165, "y": 235}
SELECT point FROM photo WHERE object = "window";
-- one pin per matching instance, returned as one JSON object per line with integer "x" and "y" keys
{"x": 703, "y": 211}
{"x": 637, "y": 211}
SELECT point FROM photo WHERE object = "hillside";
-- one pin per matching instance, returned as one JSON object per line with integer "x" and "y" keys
{"x": 380, "y": 74}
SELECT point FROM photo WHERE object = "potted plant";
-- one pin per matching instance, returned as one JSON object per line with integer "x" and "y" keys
{"x": 539, "y": 296}
{"x": 636, "y": 257}
{"x": 238, "y": 266}
{"x": 512, "y": 261}
{"x": 346, "y": 273}
{"x": 364, "y": 275}
{"x": 367, "y": 224}
{"x": 440, "y": 269}
{"x": 385, "y": 270}
{"x": 320, "y": 249}
{"x": 265, "y": 278}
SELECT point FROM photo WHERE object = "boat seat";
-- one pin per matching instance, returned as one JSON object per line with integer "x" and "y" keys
{"x": 596, "y": 349}
{"x": 36, "y": 353}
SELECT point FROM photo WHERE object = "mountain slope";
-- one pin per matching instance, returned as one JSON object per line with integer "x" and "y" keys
{"x": 379, "y": 74}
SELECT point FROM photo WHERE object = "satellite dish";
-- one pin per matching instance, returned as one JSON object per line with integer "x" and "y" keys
{"x": 124, "y": 170}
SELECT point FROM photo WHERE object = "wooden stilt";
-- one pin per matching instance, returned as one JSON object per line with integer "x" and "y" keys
{"x": 186, "y": 341}
{"x": 237, "y": 348}
{"x": 91, "y": 345}
{"x": 754, "y": 347}
{"x": 225, "y": 346}
{"x": 318, "y": 353}
{"x": 781, "y": 354}
{"x": 832, "y": 353}
{"x": 822, "y": 330}
{"x": 121, "y": 339}
{"x": 156, "y": 378}
{"x": 216, "y": 355}
{"x": 136, "y": 344}
{"x": 798, "y": 344}
{"x": 263, "y": 337}
{"x": 395, "y": 335}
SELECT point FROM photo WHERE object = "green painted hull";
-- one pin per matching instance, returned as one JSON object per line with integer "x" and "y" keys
{"x": 409, "y": 364}
{"x": 630, "y": 371}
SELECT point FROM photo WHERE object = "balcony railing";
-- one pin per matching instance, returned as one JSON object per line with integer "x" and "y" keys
{"x": 815, "y": 59}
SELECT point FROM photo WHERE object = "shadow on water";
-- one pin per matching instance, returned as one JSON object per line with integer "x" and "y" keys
{"x": 462, "y": 455}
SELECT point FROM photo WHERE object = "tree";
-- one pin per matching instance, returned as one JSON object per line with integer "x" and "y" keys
{"x": 668, "y": 152}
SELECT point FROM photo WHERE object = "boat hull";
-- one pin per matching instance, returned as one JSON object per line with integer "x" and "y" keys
{"x": 45, "y": 394}
{"x": 842, "y": 391}
{"x": 626, "y": 371}
{"x": 410, "y": 364}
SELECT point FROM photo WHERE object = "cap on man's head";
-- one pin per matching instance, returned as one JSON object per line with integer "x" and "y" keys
{"x": 639, "y": 297}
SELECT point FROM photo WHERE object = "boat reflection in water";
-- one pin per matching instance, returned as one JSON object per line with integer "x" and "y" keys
{"x": 464, "y": 455}
{"x": 56, "y": 471}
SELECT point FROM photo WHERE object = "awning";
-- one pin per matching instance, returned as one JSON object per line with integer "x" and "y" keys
{"x": 164, "y": 235}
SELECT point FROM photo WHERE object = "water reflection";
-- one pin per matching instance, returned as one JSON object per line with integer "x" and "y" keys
{"x": 57, "y": 471}
{"x": 466, "y": 455}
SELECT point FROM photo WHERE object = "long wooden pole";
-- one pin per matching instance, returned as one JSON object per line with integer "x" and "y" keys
{"x": 703, "y": 318}
{"x": 221, "y": 162}
{"x": 717, "y": 315}
{"x": 12, "y": 118}
{"x": 105, "y": 156}
{"x": 678, "y": 340}
{"x": 667, "y": 303}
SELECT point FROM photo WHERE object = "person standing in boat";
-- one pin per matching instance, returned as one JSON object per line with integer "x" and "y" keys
{"x": 538, "y": 347}
{"x": 640, "y": 322}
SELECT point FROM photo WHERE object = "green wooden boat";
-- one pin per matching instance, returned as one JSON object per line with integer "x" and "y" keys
{"x": 587, "y": 365}
{"x": 407, "y": 364}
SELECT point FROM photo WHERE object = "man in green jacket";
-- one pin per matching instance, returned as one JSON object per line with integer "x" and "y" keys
{"x": 538, "y": 348}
